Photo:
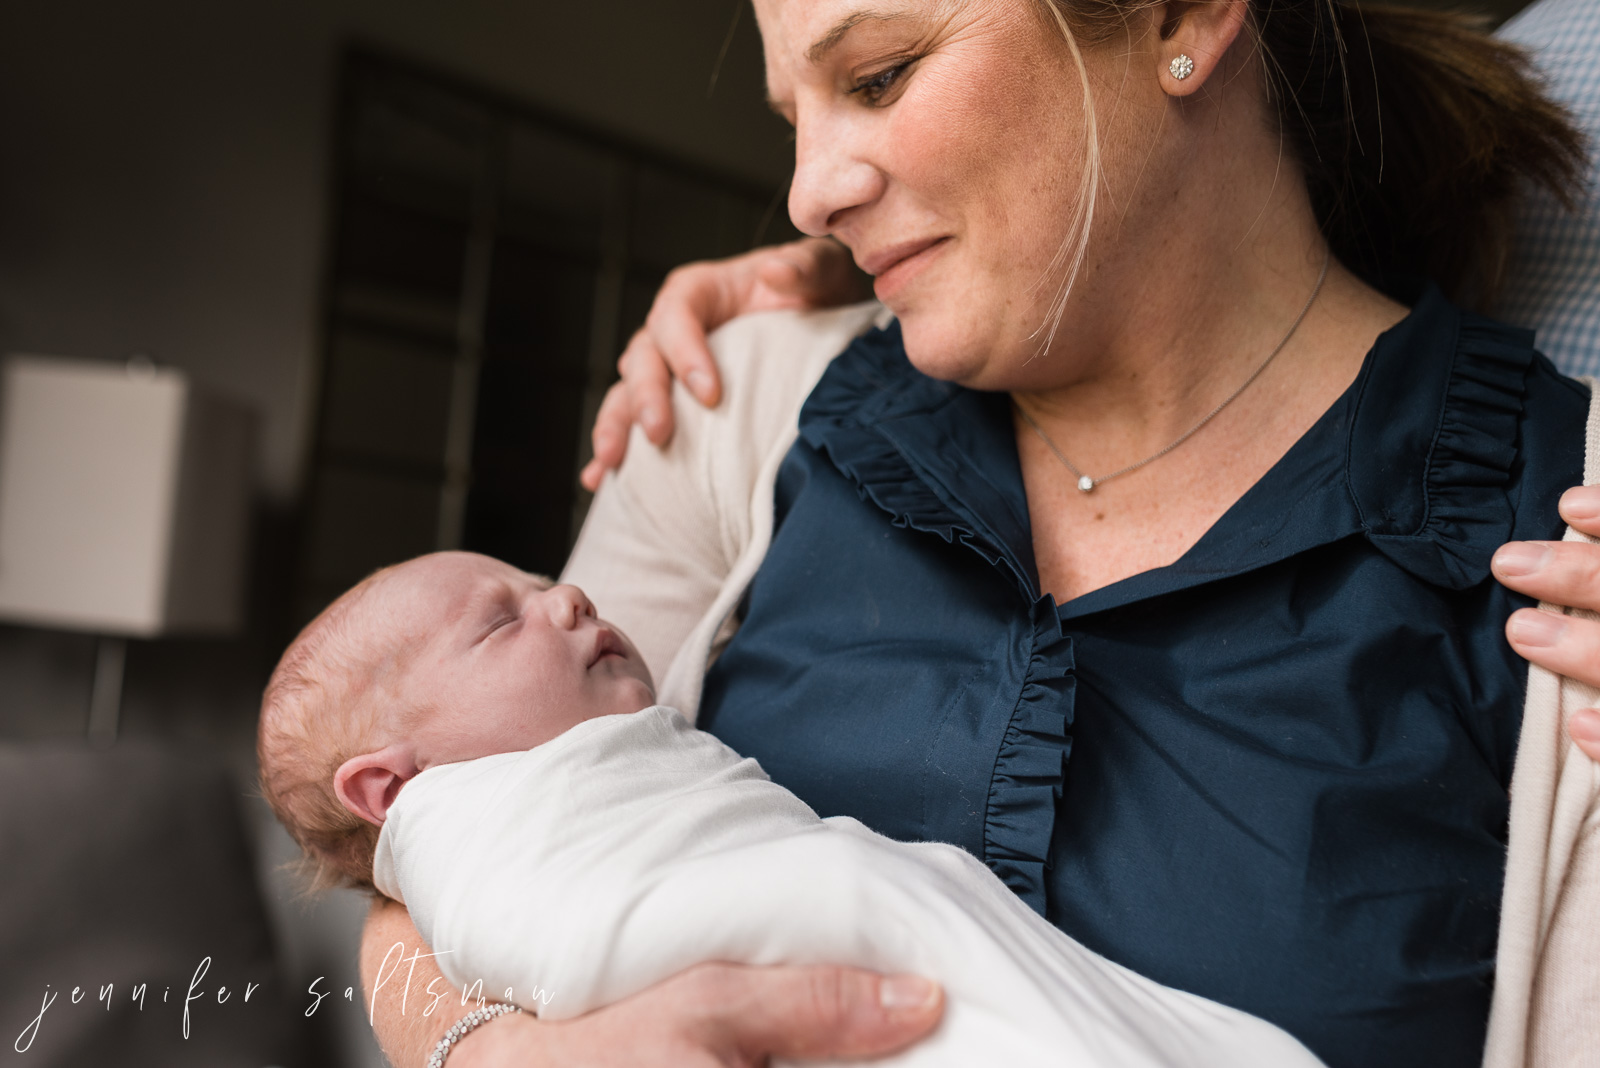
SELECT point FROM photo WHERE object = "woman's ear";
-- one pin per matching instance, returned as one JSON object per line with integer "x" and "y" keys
{"x": 368, "y": 784}
{"x": 1195, "y": 35}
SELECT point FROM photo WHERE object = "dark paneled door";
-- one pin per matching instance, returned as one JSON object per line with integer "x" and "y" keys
{"x": 487, "y": 264}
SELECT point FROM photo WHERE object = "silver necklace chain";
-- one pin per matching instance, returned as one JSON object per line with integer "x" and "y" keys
{"x": 1087, "y": 484}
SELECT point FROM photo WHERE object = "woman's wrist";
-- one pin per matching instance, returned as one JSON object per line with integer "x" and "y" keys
{"x": 466, "y": 1025}
{"x": 508, "y": 1041}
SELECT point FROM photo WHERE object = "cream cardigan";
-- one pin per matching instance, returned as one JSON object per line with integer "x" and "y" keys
{"x": 675, "y": 536}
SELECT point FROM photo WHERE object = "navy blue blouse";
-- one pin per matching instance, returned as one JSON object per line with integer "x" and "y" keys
{"x": 1273, "y": 773}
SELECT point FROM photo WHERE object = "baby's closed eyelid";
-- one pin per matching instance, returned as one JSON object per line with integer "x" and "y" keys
{"x": 499, "y": 623}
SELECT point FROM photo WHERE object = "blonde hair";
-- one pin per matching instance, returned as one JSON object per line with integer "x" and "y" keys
{"x": 1069, "y": 258}
{"x": 321, "y": 707}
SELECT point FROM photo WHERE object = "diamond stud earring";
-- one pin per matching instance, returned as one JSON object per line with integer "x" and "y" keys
{"x": 1181, "y": 66}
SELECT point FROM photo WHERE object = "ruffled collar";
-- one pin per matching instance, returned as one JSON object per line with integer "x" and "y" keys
{"x": 1433, "y": 440}
{"x": 1417, "y": 457}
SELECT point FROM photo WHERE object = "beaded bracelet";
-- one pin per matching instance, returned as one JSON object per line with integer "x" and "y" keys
{"x": 464, "y": 1027}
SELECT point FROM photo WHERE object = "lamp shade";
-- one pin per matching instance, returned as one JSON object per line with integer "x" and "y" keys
{"x": 124, "y": 499}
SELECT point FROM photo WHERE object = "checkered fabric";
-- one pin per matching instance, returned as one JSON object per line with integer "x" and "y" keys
{"x": 1554, "y": 280}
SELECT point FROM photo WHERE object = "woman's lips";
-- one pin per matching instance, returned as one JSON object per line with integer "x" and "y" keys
{"x": 893, "y": 268}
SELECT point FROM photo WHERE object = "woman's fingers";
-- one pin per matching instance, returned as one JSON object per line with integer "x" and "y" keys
{"x": 694, "y": 300}
{"x": 786, "y": 275}
{"x": 649, "y": 386}
{"x": 1585, "y": 731}
{"x": 725, "y": 1015}
{"x": 610, "y": 436}
{"x": 1564, "y": 573}
{"x": 1580, "y": 507}
{"x": 831, "y": 277}
{"x": 699, "y": 297}
{"x": 813, "y": 272}
{"x": 1569, "y": 647}
{"x": 1564, "y": 644}
{"x": 1561, "y": 572}
{"x": 815, "y": 1012}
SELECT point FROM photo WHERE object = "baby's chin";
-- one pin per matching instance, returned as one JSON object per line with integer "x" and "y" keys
{"x": 633, "y": 695}
{"x": 625, "y": 683}
{"x": 619, "y": 696}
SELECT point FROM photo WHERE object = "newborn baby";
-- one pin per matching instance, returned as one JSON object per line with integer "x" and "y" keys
{"x": 474, "y": 742}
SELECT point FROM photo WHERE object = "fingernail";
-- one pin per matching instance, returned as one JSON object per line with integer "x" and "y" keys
{"x": 1581, "y": 503}
{"x": 1520, "y": 558}
{"x": 1586, "y": 725}
{"x": 699, "y": 384}
{"x": 899, "y": 992}
{"x": 1535, "y": 628}
{"x": 651, "y": 418}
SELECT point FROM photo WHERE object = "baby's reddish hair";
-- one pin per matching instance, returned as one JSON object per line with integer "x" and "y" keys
{"x": 321, "y": 707}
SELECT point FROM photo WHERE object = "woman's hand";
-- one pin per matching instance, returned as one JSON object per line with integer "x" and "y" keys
{"x": 709, "y": 1016}
{"x": 1565, "y": 573}
{"x": 695, "y": 300}
{"x": 721, "y": 1016}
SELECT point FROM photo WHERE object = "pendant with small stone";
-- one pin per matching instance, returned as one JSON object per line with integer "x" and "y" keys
{"x": 1085, "y": 483}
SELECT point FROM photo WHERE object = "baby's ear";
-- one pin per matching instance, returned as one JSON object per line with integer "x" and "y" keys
{"x": 368, "y": 784}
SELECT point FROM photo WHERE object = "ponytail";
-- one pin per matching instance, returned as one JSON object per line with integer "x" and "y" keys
{"x": 1416, "y": 132}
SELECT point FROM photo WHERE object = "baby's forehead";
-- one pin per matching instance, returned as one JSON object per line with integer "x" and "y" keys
{"x": 456, "y": 584}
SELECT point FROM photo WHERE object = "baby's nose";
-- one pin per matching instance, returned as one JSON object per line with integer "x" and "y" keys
{"x": 568, "y": 605}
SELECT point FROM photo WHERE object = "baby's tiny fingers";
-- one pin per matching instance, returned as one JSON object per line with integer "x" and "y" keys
{"x": 1563, "y": 644}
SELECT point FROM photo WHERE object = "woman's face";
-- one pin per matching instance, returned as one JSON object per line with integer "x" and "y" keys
{"x": 943, "y": 143}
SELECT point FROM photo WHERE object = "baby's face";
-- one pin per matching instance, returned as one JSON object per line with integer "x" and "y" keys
{"x": 508, "y": 663}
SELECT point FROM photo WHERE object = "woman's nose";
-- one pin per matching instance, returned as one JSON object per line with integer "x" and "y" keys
{"x": 567, "y": 605}
{"x": 829, "y": 176}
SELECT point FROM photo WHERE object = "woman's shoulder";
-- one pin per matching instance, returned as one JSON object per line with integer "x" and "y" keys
{"x": 769, "y": 362}
{"x": 1506, "y": 400}
{"x": 1462, "y": 437}
{"x": 1548, "y": 417}
{"x": 772, "y": 359}
{"x": 1553, "y": 434}
{"x": 1554, "y": 404}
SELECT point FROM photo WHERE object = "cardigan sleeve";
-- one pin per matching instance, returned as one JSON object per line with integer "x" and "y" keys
{"x": 1546, "y": 1009}
{"x": 648, "y": 555}
{"x": 1564, "y": 1022}
{"x": 675, "y": 533}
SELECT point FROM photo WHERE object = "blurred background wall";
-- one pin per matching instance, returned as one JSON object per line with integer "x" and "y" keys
{"x": 168, "y": 186}
{"x": 179, "y": 178}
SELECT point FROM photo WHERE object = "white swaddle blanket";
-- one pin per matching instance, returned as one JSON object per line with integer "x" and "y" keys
{"x": 632, "y": 847}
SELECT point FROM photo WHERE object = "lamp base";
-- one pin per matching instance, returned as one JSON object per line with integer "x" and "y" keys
{"x": 105, "y": 697}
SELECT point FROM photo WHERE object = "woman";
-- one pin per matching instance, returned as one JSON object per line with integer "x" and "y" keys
{"x": 1175, "y": 606}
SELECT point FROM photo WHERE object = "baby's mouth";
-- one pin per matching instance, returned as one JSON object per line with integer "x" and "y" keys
{"x": 606, "y": 643}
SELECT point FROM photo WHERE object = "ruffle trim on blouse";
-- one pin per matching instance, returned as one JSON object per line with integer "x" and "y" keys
{"x": 872, "y": 383}
{"x": 1468, "y": 512}
{"x": 862, "y": 386}
{"x": 1023, "y": 795}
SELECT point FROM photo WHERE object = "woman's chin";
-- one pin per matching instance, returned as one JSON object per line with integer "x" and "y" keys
{"x": 949, "y": 350}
